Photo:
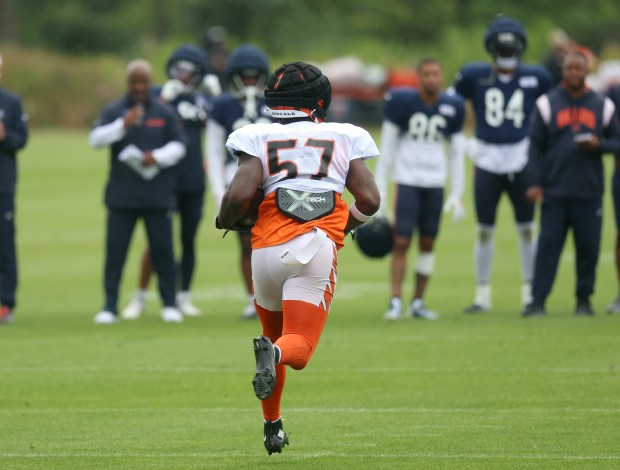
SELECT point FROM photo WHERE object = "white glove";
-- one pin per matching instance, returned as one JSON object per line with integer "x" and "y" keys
{"x": 212, "y": 85}
{"x": 454, "y": 205}
{"x": 171, "y": 89}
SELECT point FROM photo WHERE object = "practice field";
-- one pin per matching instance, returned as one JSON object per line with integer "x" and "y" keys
{"x": 481, "y": 392}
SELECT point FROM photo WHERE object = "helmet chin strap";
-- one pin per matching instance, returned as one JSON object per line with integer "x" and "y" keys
{"x": 250, "y": 92}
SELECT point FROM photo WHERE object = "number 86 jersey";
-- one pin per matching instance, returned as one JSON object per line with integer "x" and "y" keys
{"x": 302, "y": 156}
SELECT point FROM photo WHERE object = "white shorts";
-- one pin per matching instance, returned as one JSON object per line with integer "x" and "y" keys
{"x": 303, "y": 269}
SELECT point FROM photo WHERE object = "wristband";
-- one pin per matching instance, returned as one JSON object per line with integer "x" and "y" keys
{"x": 355, "y": 212}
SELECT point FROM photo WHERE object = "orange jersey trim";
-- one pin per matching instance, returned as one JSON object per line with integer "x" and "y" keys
{"x": 274, "y": 228}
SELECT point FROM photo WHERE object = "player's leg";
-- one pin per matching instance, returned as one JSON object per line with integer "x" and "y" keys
{"x": 553, "y": 229}
{"x": 158, "y": 225}
{"x": 586, "y": 221}
{"x": 430, "y": 216}
{"x": 270, "y": 375}
{"x": 406, "y": 207}
{"x": 488, "y": 188}
{"x": 135, "y": 308}
{"x": 120, "y": 226}
{"x": 526, "y": 232}
{"x": 8, "y": 258}
{"x": 245, "y": 244}
{"x": 614, "y": 307}
{"x": 190, "y": 209}
{"x": 304, "y": 293}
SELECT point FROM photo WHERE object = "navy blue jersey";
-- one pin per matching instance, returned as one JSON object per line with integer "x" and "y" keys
{"x": 406, "y": 109}
{"x": 230, "y": 113}
{"x": 502, "y": 108}
{"x": 192, "y": 109}
{"x": 125, "y": 188}
{"x": 14, "y": 120}
{"x": 555, "y": 161}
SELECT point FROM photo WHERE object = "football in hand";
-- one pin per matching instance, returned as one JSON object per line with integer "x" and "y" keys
{"x": 250, "y": 216}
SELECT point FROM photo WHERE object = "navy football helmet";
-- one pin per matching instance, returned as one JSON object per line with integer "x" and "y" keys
{"x": 247, "y": 66}
{"x": 298, "y": 85}
{"x": 188, "y": 64}
{"x": 505, "y": 39}
{"x": 375, "y": 238}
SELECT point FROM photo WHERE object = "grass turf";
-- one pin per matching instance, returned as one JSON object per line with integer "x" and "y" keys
{"x": 483, "y": 392}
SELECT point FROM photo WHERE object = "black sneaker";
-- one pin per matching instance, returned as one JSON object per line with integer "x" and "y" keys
{"x": 265, "y": 377}
{"x": 533, "y": 310}
{"x": 475, "y": 308}
{"x": 274, "y": 437}
{"x": 584, "y": 308}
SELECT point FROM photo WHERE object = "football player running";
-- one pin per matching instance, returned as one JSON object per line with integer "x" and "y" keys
{"x": 303, "y": 164}
{"x": 414, "y": 129}
{"x": 243, "y": 103}
{"x": 503, "y": 95}
{"x": 186, "y": 69}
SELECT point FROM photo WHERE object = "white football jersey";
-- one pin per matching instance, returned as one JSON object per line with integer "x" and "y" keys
{"x": 304, "y": 155}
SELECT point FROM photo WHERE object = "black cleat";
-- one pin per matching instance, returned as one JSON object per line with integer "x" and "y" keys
{"x": 475, "y": 308}
{"x": 533, "y": 310}
{"x": 265, "y": 378}
{"x": 274, "y": 437}
{"x": 584, "y": 308}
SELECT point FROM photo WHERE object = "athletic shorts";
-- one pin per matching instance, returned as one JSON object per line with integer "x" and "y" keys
{"x": 418, "y": 208}
{"x": 303, "y": 268}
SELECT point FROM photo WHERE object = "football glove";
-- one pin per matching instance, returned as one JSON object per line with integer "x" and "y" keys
{"x": 236, "y": 227}
{"x": 172, "y": 89}
{"x": 454, "y": 205}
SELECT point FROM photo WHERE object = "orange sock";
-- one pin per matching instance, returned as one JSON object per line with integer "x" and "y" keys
{"x": 302, "y": 327}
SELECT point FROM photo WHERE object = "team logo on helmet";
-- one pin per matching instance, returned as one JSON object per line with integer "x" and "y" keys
{"x": 375, "y": 238}
{"x": 298, "y": 86}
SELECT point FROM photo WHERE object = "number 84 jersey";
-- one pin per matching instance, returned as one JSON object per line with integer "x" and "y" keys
{"x": 502, "y": 104}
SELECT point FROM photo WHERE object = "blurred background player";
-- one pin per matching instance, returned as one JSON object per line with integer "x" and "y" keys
{"x": 614, "y": 95}
{"x": 13, "y": 137}
{"x": 572, "y": 127}
{"x": 186, "y": 69}
{"x": 214, "y": 43}
{"x": 146, "y": 142}
{"x": 243, "y": 103}
{"x": 559, "y": 44}
{"x": 303, "y": 164}
{"x": 502, "y": 94}
{"x": 415, "y": 126}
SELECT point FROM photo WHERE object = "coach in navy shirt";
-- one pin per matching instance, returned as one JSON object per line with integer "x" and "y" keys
{"x": 146, "y": 142}
{"x": 572, "y": 127}
{"x": 13, "y": 137}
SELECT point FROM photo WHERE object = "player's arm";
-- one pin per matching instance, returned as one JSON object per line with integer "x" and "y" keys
{"x": 454, "y": 202}
{"x": 361, "y": 184}
{"x": 237, "y": 197}
{"x": 610, "y": 143}
{"x": 215, "y": 159}
{"x": 14, "y": 134}
{"x": 389, "y": 145}
{"x": 539, "y": 120}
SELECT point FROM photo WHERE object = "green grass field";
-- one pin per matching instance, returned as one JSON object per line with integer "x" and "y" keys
{"x": 480, "y": 392}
